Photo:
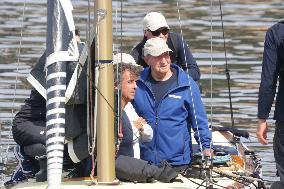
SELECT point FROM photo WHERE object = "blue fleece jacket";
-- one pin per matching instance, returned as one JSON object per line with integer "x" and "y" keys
{"x": 179, "y": 110}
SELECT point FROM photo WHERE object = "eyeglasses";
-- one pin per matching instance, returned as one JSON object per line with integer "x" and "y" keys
{"x": 157, "y": 32}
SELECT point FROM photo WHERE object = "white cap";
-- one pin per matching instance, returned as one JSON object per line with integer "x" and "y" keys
{"x": 124, "y": 58}
{"x": 153, "y": 21}
{"x": 155, "y": 47}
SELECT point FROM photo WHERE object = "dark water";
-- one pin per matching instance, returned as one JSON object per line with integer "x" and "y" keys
{"x": 245, "y": 23}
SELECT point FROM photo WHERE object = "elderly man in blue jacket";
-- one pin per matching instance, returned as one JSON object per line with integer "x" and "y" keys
{"x": 170, "y": 102}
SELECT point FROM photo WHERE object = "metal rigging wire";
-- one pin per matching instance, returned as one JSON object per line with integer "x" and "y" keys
{"x": 5, "y": 160}
{"x": 18, "y": 63}
{"x": 227, "y": 71}
{"x": 208, "y": 181}
{"x": 211, "y": 83}
{"x": 186, "y": 63}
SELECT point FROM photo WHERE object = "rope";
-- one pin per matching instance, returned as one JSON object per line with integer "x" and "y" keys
{"x": 201, "y": 184}
{"x": 90, "y": 114}
{"x": 247, "y": 179}
{"x": 117, "y": 100}
{"x": 100, "y": 16}
{"x": 118, "y": 113}
{"x": 88, "y": 85}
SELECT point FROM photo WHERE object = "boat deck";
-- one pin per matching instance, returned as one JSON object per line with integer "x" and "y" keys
{"x": 181, "y": 183}
{"x": 220, "y": 181}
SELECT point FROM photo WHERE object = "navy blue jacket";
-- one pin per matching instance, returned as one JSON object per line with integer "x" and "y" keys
{"x": 272, "y": 71}
{"x": 34, "y": 109}
{"x": 172, "y": 119}
{"x": 126, "y": 146}
{"x": 176, "y": 44}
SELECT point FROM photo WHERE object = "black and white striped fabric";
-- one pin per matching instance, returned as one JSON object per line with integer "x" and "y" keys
{"x": 61, "y": 47}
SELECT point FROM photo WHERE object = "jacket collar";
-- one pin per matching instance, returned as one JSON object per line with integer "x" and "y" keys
{"x": 182, "y": 76}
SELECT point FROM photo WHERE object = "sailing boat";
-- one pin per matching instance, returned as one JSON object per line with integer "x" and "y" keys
{"x": 226, "y": 175}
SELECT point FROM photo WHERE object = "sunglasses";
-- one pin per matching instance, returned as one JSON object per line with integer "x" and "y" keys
{"x": 157, "y": 32}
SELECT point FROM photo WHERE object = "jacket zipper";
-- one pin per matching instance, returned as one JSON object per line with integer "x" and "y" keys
{"x": 156, "y": 113}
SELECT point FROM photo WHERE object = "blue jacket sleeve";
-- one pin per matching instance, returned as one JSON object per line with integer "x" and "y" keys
{"x": 269, "y": 75}
{"x": 183, "y": 48}
{"x": 198, "y": 116}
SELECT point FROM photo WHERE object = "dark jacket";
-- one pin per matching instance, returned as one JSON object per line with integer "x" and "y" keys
{"x": 272, "y": 71}
{"x": 33, "y": 113}
{"x": 126, "y": 146}
{"x": 179, "y": 110}
{"x": 34, "y": 109}
{"x": 176, "y": 44}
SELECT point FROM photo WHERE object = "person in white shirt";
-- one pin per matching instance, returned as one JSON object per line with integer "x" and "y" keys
{"x": 142, "y": 132}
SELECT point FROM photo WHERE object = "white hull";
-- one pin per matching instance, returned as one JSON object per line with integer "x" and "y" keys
{"x": 184, "y": 184}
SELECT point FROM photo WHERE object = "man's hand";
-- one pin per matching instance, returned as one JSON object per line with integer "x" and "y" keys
{"x": 139, "y": 124}
{"x": 142, "y": 120}
{"x": 262, "y": 131}
{"x": 207, "y": 152}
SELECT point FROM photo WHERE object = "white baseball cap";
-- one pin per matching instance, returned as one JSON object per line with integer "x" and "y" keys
{"x": 153, "y": 21}
{"x": 124, "y": 58}
{"x": 155, "y": 47}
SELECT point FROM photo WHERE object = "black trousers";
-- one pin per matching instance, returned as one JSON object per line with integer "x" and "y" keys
{"x": 278, "y": 147}
{"x": 138, "y": 170}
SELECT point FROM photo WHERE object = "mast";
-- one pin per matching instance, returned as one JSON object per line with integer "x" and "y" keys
{"x": 105, "y": 111}
{"x": 61, "y": 47}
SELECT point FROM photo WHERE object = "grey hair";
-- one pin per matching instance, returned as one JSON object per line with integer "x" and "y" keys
{"x": 122, "y": 67}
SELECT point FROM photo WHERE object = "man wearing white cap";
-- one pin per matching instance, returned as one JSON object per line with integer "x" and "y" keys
{"x": 155, "y": 25}
{"x": 170, "y": 101}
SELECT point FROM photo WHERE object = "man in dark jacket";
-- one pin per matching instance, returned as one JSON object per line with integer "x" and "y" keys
{"x": 272, "y": 72}
{"x": 29, "y": 124}
{"x": 155, "y": 25}
{"x": 170, "y": 101}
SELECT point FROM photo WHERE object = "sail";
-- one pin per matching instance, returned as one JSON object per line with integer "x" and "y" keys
{"x": 61, "y": 47}
{"x": 69, "y": 52}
